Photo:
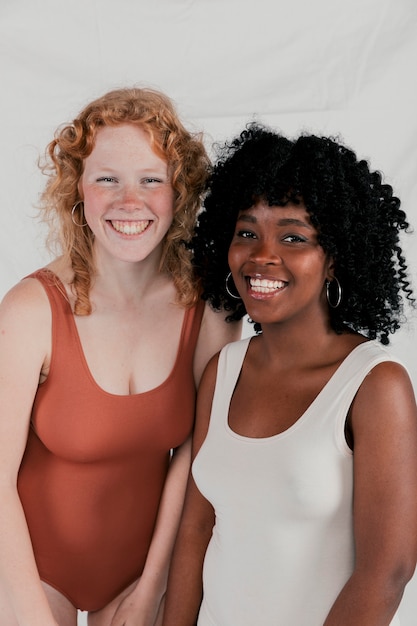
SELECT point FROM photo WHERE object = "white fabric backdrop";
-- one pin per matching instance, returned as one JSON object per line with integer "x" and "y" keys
{"x": 344, "y": 67}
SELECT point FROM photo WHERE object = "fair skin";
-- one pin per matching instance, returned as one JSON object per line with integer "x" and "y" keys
{"x": 130, "y": 342}
{"x": 280, "y": 269}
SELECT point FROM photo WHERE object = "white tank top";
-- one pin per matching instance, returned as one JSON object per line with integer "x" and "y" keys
{"x": 282, "y": 545}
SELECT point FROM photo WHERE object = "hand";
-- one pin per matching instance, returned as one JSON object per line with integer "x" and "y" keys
{"x": 136, "y": 611}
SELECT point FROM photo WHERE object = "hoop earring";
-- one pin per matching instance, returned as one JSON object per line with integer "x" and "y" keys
{"x": 334, "y": 305}
{"x": 231, "y": 294}
{"x": 74, "y": 208}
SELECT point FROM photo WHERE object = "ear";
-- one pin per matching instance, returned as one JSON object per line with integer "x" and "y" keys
{"x": 330, "y": 269}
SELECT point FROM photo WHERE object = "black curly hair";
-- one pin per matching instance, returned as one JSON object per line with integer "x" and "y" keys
{"x": 357, "y": 217}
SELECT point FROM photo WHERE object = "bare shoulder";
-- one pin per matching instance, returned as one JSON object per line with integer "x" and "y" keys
{"x": 215, "y": 322}
{"x": 25, "y": 322}
{"x": 385, "y": 397}
{"x": 387, "y": 379}
{"x": 215, "y": 333}
{"x": 26, "y": 299}
{"x": 204, "y": 402}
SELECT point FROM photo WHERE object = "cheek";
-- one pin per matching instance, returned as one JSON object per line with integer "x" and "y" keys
{"x": 165, "y": 200}
{"x": 97, "y": 201}
{"x": 238, "y": 251}
{"x": 233, "y": 257}
{"x": 92, "y": 208}
{"x": 92, "y": 197}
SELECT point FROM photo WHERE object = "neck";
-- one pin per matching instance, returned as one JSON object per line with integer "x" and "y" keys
{"x": 297, "y": 344}
{"x": 127, "y": 282}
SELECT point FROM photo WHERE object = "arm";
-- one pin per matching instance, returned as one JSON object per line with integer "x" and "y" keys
{"x": 25, "y": 331}
{"x": 147, "y": 596}
{"x": 185, "y": 586}
{"x": 214, "y": 334}
{"x": 384, "y": 425}
{"x": 143, "y": 604}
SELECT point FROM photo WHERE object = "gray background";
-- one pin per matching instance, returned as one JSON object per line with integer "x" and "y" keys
{"x": 328, "y": 66}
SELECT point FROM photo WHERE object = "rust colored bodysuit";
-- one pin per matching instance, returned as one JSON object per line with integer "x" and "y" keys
{"x": 95, "y": 463}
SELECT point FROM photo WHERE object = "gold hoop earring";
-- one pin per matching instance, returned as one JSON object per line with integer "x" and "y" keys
{"x": 74, "y": 208}
{"x": 231, "y": 294}
{"x": 334, "y": 305}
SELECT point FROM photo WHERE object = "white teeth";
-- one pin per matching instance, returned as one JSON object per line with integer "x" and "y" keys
{"x": 130, "y": 228}
{"x": 262, "y": 285}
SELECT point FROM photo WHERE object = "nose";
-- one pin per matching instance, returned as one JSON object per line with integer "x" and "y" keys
{"x": 265, "y": 252}
{"x": 131, "y": 197}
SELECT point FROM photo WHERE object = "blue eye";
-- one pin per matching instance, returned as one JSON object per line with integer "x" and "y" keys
{"x": 151, "y": 180}
{"x": 106, "y": 179}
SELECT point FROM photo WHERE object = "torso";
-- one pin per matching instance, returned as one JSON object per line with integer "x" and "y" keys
{"x": 283, "y": 501}
{"x": 129, "y": 348}
{"x": 97, "y": 455}
{"x": 269, "y": 399}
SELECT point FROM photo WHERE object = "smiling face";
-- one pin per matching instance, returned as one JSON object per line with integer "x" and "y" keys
{"x": 128, "y": 196}
{"x": 277, "y": 264}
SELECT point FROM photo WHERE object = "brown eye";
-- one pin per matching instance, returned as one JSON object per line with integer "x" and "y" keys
{"x": 245, "y": 234}
{"x": 294, "y": 239}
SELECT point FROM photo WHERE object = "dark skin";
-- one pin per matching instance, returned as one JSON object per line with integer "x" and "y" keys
{"x": 280, "y": 271}
{"x": 282, "y": 393}
{"x": 297, "y": 353}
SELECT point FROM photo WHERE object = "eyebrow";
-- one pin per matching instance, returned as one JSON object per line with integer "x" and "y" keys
{"x": 285, "y": 221}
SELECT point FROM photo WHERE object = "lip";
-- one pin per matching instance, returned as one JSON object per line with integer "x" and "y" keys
{"x": 261, "y": 287}
{"x": 128, "y": 228}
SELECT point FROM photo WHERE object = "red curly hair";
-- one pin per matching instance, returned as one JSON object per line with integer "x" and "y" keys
{"x": 185, "y": 153}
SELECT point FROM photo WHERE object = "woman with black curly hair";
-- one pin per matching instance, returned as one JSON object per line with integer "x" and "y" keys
{"x": 302, "y": 504}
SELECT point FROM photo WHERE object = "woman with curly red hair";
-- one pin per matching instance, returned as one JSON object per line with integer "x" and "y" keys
{"x": 100, "y": 355}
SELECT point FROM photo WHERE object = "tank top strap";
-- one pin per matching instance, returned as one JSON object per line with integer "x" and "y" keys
{"x": 53, "y": 286}
{"x": 229, "y": 366}
{"x": 191, "y": 329}
{"x": 62, "y": 315}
